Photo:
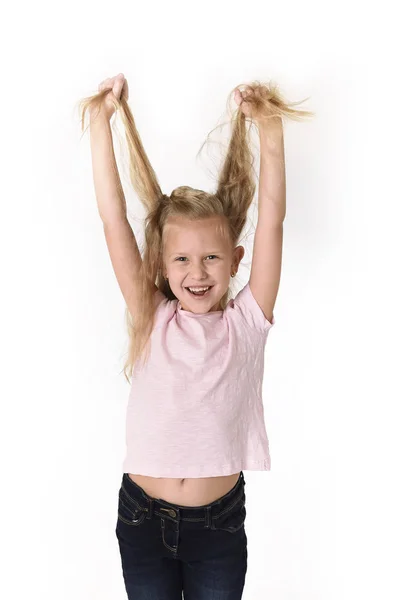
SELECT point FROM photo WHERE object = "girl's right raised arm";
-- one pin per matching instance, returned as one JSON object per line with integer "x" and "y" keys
{"x": 122, "y": 246}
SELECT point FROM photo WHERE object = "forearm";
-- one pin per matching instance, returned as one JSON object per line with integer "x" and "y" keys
{"x": 107, "y": 184}
{"x": 272, "y": 180}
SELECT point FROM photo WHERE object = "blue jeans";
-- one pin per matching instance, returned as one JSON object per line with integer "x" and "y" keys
{"x": 167, "y": 549}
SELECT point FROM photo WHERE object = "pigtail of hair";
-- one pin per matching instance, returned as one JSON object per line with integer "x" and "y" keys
{"x": 237, "y": 180}
{"x": 142, "y": 174}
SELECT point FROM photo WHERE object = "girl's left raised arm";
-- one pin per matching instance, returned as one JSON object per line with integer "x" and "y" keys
{"x": 267, "y": 252}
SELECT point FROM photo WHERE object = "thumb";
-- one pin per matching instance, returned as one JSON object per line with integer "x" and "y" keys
{"x": 118, "y": 85}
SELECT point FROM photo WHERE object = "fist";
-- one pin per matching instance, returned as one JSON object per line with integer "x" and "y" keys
{"x": 259, "y": 103}
{"x": 118, "y": 88}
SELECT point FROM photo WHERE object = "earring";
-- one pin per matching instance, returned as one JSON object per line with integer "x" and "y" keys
{"x": 233, "y": 274}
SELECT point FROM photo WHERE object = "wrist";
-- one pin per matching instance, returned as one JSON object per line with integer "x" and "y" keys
{"x": 271, "y": 128}
{"x": 271, "y": 137}
{"x": 98, "y": 115}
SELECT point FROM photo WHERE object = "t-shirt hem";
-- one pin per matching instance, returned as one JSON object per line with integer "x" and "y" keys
{"x": 196, "y": 471}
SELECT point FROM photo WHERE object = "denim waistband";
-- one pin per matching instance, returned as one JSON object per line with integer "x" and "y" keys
{"x": 185, "y": 513}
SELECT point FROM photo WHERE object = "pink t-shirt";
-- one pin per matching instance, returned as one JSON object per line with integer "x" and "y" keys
{"x": 196, "y": 408}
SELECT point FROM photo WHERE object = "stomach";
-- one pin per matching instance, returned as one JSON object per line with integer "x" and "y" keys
{"x": 186, "y": 492}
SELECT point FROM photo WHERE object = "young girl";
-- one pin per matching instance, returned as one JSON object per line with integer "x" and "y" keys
{"x": 195, "y": 416}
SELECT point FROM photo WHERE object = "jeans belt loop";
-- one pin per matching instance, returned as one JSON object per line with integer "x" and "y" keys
{"x": 150, "y": 508}
{"x": 207, "y": 517}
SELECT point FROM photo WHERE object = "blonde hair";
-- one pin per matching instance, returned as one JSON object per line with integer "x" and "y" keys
{"x": 231, "y": 200}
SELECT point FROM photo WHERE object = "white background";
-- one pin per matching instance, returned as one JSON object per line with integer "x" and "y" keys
{"x": 322, "y": 524}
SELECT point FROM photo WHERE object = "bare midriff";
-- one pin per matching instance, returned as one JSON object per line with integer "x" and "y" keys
{"x": 186, "y": 492}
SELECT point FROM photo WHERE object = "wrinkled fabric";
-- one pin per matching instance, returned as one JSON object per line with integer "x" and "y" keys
{"x": 196, "y": 408}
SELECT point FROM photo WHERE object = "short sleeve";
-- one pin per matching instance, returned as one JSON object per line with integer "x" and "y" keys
{"x": 251, "y": 311}
{"x": 164, "y": 308}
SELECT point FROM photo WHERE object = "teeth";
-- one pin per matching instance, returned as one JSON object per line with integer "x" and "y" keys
{"x": 198, "y": 289}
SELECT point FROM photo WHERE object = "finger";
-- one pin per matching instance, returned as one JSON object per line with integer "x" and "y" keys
{"x": 125, "y": 90}
{"x": 118, "y": 77}
{"x": 117, "y": 87}
{"x": 238, "y": 97}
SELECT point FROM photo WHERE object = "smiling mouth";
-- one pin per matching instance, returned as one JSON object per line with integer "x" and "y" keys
{"x": 200, "y": 293}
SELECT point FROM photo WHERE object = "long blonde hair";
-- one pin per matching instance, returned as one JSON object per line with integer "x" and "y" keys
{"x": 231, "y": 200}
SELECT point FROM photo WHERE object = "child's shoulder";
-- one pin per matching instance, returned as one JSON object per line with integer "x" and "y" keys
{"x": 245, "y": 303}
{"x": 162, "y": 303}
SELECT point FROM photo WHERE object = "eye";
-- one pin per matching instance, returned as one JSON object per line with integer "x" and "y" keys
{"x": 184, "y": 258}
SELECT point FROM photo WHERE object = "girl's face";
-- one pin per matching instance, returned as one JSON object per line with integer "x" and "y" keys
{"x": 197, "y": 255}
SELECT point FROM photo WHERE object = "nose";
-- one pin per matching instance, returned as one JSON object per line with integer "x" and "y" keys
{"x": 198, "y": 272}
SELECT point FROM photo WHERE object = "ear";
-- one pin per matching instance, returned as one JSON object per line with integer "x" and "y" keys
{"x": 238, "y": 255}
